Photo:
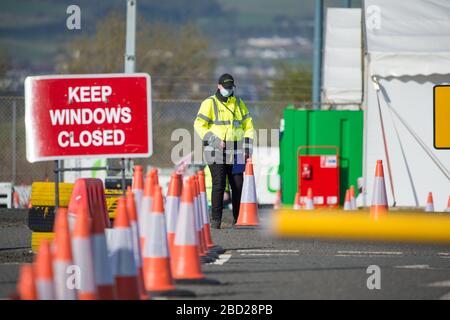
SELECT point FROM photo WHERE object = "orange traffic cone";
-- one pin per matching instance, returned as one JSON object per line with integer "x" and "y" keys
{"x": 124, "y": 266}
{"x": 203, "y": 250}
{"x": 429, "y": 207}
{"x": 62, "y": 257}
{"x": 186, "y": 264}
{"x": 157, "y": 274}
{"x": 83, "y": 255}
{"x": 379, "y": 207}
{"x": 309, "y": 202}
{"x": 44, "y": 272}
{"x": 26, "y": 285}
{"x": 138, "y": 188}
{"x": 352, "y": 198}
{"x": 347, "y": 203}
{"x": 104, "y": 278}
{"x": 297, "y": 201}
{"x": 448, "y": 205}
{"x": 146, "y": 206}
{"x": 248, "y": 211}
{"x": 277, "y": 203}
{"x": 132, "y": 215}
{"x": 205, "y": 214}
{"x": 172, "y": 207}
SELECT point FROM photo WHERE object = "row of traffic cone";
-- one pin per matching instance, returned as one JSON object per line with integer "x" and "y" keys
{"x": 145, "y": 257}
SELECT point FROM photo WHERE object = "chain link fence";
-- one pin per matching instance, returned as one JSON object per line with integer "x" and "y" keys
{"x": 168, "y": 115}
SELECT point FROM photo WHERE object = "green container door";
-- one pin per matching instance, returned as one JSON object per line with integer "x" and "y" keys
{"x": 343, "y": 129}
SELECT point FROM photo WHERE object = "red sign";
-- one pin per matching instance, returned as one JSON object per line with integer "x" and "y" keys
{"x": 94, "y": 116}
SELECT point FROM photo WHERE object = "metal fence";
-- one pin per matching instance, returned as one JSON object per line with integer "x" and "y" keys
{"x": 168, "y": 115}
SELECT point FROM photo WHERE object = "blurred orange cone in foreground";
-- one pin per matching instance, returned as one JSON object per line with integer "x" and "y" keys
{"x": 172, "y": 208}
{"x": 138, "y": 188}
{"x": 448, "y": 205}
{"x": 62, "y": 260}
{"x": 26, "y": 286}
{"x": 123, "y": 262}
{"x": 44, "y": 272}
{"x": 429, "y": 207}
{"x": 248, "y": 211}
{"x": 146, "y": 205}
{"x": 137, "y": 252}
{"x": 277, "y": 203}
{"x": 379, "y": 205}
{"x": 83, "y": 255}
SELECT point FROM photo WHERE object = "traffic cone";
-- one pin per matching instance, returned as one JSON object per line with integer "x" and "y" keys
{"x": 429, "y": 207}
{"x": 347, "y": 203}
{"x": 248, "y": 211}
{"x": 83, "y": 255}
{"x": 352, "y": 198}
{"x": 157, "y": 274}
{"x": 297, "y": 201}
{"x": 277, "y": 203}
{"x": 104, "y": 278}
{"x": 138, "y": 188}
{"x": 198, "y": 224}
{"x": 137, "y": 252}
{"x": 186, "y": 264}
{"x": 62, "y": 257}
{"x": 124, "y": 266}
{"x": 379, "y": 207}
{"x": 448, "y": 205}
{"x": 26, "y": 284}
{"x": 44, "y": 272}
{"x": 309, "y": 202}
{"x": 146, "y": 206}
{"x": 172, "y": 207}
{"x": 206, "y": 222}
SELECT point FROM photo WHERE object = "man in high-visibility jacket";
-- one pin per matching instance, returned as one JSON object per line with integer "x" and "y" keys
{"x": 224, "y": 124}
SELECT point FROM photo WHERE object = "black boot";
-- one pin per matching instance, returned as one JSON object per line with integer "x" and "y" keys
{"x": 215, "y": 224}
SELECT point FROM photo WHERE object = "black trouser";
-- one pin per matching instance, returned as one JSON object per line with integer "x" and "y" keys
{"x": 219, "y": 173}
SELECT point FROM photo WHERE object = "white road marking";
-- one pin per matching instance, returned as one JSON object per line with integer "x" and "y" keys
{"x": 414, "y": 266}
{"x": 443, "y": 253}
{"x": 268, "y": 250}
{"x": 269, "y": 254}
{"x": 440, "y": 284}
{"x": 222, "y": 259}
{"x": 368, "y": 253}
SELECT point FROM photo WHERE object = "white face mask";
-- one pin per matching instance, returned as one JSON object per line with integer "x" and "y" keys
{"x": 226, "y": 92}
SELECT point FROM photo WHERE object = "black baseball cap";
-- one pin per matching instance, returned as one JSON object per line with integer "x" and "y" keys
{"x": 227, "y": 81}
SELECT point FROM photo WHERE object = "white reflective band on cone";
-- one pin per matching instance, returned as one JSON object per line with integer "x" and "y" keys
{"x": 82, "y": 257}
{"x": 62, "y": 291}
{"x": 138, "y": 201}
{"x": 146, "y": 207}
{"x": 379, "y": 197}
{"x": 45, "y": 290}
{"x": 136, "y": 243}
{"x": 102, "y": 263}
{"x": 172, "y": 207}
{"x": 429, "y": 207}
{"x": 248, "y": 190}
{"x": 122, "y": 256}
{"x": 204, "y": 203}
{"x": 353, "y": 205}
{"x": 198, "y": 224}
{"x": 186, "y": 234}
{"x": 156, "y": 241}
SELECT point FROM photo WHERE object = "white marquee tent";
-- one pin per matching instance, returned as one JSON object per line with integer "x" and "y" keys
{"x": 407, "y": 52}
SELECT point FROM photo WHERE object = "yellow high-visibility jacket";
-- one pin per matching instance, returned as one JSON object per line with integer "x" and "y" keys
{"x": 229, "y": 121}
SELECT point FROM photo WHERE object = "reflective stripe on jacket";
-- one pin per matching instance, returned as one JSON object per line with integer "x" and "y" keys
{"x": 230, "y": 121}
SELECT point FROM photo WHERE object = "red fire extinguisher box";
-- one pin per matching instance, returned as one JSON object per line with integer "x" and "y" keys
{"x": 318, "y": 169}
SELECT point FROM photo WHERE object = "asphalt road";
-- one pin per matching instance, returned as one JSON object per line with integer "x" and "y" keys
{"x": 258, "y": 266}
